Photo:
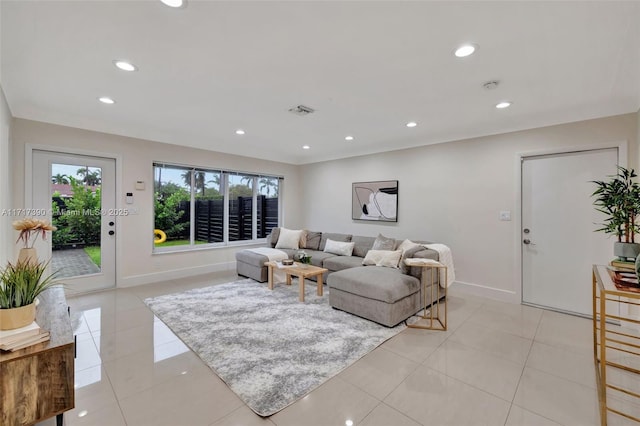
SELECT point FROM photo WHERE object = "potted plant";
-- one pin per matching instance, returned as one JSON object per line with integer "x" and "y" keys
{"x": 619, "y": 199}
{"x": 20, "y": 284}
{"x": 23, "y": 281}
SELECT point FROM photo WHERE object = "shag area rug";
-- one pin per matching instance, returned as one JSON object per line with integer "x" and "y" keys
{"x": 267, "y": 346}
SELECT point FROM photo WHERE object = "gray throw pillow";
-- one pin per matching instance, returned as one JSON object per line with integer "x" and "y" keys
{"x": 313, "y": 240}
{"x": 383, "y": 243}
{"x": 273, "y": 237}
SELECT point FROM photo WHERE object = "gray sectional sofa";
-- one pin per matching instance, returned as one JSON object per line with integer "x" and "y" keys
{"x": 382, "y": 294}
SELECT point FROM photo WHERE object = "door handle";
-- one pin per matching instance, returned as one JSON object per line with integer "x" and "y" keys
{"x": 528, "y": 242}
{"x": 111, "y": 232}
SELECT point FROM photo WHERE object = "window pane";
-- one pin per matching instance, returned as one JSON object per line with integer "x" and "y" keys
{"x": 209, "y": 207}
{"x": 240, "y": 207}
{"x": 267, "y": 205}
{"x": 172, "y": 186}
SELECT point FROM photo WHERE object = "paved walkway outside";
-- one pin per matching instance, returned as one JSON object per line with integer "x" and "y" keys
{"x": 72, "y": 263}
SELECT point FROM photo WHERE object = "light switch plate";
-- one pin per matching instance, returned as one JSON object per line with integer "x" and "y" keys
{"x": 505, "y": 215}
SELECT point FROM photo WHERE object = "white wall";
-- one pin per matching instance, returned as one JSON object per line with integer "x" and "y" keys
{"x": 453, "y": 192}
{"x": 6, "y": 238}
{"x": 136, "y": 263}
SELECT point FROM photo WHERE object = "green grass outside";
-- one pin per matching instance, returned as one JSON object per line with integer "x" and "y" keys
{"x": 178, "y": 243}
{"x": 94, "y": 253}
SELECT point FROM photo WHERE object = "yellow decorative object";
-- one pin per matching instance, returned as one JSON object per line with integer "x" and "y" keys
{"x": 159, "y": 236}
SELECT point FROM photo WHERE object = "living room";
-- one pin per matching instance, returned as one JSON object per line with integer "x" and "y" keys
{"x": 450, "y": 192}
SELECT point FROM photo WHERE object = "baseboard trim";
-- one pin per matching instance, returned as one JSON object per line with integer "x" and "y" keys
{"x": 488, "y": 292}
{"x": 173, "y": 274}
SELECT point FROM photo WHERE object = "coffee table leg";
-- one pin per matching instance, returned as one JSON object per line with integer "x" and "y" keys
{"x": 288, "y": 278}
{"x": 320, "y": 284}
{"x": 270, "y": 274}
{"x": 301, "y": 287}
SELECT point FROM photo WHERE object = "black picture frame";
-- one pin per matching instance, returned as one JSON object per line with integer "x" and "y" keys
{"x": 375, "y": 201}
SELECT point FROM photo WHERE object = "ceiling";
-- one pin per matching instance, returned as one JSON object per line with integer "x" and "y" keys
{"x": 366, "y": 67}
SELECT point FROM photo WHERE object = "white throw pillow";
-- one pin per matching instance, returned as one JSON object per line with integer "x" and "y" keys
{"x": 407, "y": 244}
{"x": 289, "y": 239}
{"x": 386, "y": 258}
{"x": 339, "y": 248}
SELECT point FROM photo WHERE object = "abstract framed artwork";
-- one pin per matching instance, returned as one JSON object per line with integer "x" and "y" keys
{"x": 375, "y": 201}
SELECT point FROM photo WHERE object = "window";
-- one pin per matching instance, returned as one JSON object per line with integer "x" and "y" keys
{"x": 227, "y": 206}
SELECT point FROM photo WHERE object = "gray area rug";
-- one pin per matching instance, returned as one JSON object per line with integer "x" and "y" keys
{"x": 269, "y": 348}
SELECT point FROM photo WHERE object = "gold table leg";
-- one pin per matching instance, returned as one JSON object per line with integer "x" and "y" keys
{"x": 433, "y": 271}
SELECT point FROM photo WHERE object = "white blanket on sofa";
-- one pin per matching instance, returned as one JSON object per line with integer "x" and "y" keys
{"x": 271, "y": 253}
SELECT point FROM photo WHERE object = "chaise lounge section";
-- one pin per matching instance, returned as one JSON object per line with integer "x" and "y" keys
{"x": 386, "y": 295}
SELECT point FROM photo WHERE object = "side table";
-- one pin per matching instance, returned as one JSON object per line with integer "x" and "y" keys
{"x": 431, "y": 269}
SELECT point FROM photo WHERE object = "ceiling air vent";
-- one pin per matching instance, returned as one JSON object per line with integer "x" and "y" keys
{"x": 301, "y": 110}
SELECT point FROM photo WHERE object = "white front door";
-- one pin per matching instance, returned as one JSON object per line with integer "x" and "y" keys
{"x": 559, "y": 245}
{"x": 78, "y": 195}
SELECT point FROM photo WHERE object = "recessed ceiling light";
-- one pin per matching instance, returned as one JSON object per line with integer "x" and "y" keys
{"x": 124, "y": 65}
{"x": 239, "y": 132}
{"x": 412, "y": 124}
{"x": 305, "y": 147}
{"x": 348, "y": 138}
{"x": 465, "y": 50}
{"x": 503, "y": 104}
{"x": 106, "y": 100}
{"x": 174, "y": 3}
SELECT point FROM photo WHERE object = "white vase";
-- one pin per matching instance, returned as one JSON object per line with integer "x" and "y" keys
{"x": 28, "y": 255}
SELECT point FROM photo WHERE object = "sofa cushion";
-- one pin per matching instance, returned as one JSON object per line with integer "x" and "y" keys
{"x": 313, "y": 240}
{"x": 374, "y": 282}
{"x": 416, "y": 271}
{"x": 383, "y": 243}
{"x": 289, "y": 239}
{"x": 408, "y": 254}
{"x": 362, "y": 245}
{"x": 338, "y": 263}
{"x": 338, "y": 247}
{"x": 334, "y": 237}
{"x": 318, "y": 257}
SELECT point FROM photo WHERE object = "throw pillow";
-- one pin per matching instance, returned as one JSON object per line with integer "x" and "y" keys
{"x": 386, "y": 258}
{"x": 313, "y": 240}
{"x": 339, "y": 248}
{"x": 383, "y": 243}
{"x": 303, "y": 239}
{"x": 273, "y": 237}
{"x": 408, "y": 244}
{"x": 289, "y": 239}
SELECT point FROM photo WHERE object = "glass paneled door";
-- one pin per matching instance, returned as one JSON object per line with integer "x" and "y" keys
{"x": 78, "y": 195}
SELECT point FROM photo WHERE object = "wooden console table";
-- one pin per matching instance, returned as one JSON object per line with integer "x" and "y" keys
{"x": 613, "y": 347}
{"x": 38, "y": 382}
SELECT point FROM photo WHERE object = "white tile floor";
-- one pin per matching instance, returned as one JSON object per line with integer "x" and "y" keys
{"x": 499, "y": 364}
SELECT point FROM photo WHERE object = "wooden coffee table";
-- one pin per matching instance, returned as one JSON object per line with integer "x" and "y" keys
{"x": 301, "y": 271}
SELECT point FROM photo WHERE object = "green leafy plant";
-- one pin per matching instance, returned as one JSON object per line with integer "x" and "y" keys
{"x": 83, "y": 212}
{"x": 168, "y": 214}
{"x": 619, "y": 199}
{"x": 22, "y": 282}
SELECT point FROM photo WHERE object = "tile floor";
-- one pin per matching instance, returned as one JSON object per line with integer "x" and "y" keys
{"x": 499, "y": 364}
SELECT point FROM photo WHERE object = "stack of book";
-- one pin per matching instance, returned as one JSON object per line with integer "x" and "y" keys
{"x": 19, "y": 338}
{"x": 622, "y": 264}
